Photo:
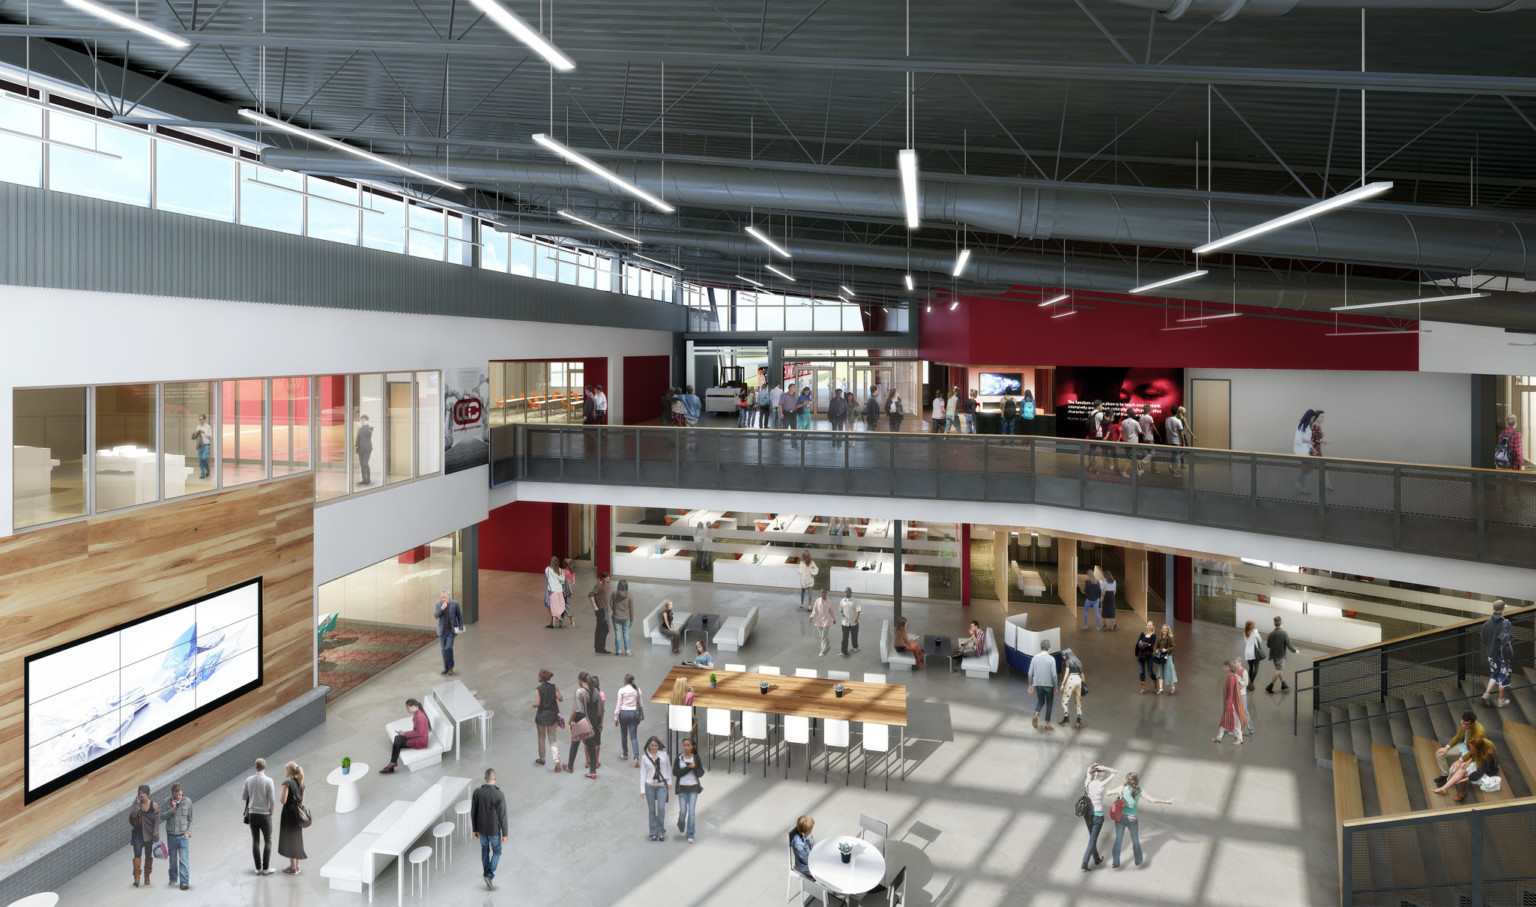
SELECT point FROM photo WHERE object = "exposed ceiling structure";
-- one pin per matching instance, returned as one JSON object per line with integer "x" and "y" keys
{"x": 1090, "y": 144}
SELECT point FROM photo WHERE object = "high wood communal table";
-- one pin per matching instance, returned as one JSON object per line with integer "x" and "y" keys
{"x": 802, "y": 697}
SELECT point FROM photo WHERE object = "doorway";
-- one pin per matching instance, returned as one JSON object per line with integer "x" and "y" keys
{"x": 1211, "y": 412}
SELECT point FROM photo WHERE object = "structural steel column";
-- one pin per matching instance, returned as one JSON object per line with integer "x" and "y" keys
{"x": 1001, "y": 535}
{"x": 965, "y": 564}
{"x": 896, "y": 536}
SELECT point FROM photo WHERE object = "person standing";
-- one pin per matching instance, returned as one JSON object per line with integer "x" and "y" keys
{"x": 1072, "y": 682}
{"x": 837, "y": 413}
{"x": 1107, "y": 590}
{"x": 1148, "y": 436}
{"x": 821, "y": 618}
{"x": 546, "y": 717}
{"x": 177, "y": 813}
{"x": 1233, "y": 716}
{"x": 872, "y": 411}
{"x": 1176, "y": 428}
{"x": 568, "y": 589}
{"x": 290, "y": 836}
{"x": 808, "y": 573}
{"x": 803, "y": 408}
{"x": 1010, "y": 413}
{"x": 1130, "y": 433}
{"x": 655, "y": 778}
{"x": 417, "y": 739}
{"x": 554, "y": 593}
{"x": 259, "y": 796}
{"x": 937, "y": 417}
{"x": 202, "y": 436}
{"x": 972, "y": 407}
{"x": 1027, "y": 413}
{"x": 1132, "y": 795}
{"x": 787, "y": 402}
{"x": 746, "y": 406}
{"x": 952, "y": 407}
{"x": 1499, "y": 646}
{"x": 364, "y": 446}
{"x": 600, "y": 405}
{"x": 1508, "y": 450}
{"x": 144, "y": 819}
{"x": 692, "y": 408}
{"x": 1279, "y": 643}
{"x": 700, "y": 546}
{"x": 1253, "y": 650}
{"x": 1162, "y": 656}
{"x": 1093, "y": 591}
{"x": 599, "y": 599}
{"x": 588, "y": 406}
{"x": 627, "y": 716}
{"x": 765, "y": 400}
{"x": 450, "y": 623}
{"x": 488, "y": 819}
{"x": 897, "y": 411}
{"x": 1094, "y": 784}
{"x": 848, "y": 618}
{"x": 1042, "y": 682}
{"x": 623, "y": 608}
{"x": 686, "y": 772}
{"x": 1146, "y": 645}
{"x": 1245, "y": 681}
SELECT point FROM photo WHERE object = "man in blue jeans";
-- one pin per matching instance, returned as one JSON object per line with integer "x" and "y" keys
{"x": 1042, "y": 682}
{"x": 450, "y": 623}
{"x": 488, "y": 816}
{"x": 1094, "y": 783}
{"x": 177, "y": 816}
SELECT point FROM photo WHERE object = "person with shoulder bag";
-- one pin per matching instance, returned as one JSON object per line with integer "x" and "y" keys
{"x": 259, "y": 796}
{"x": 655, "y": 779}
{"x": 686, "y": 772}
{"x": 583, "y": 730}
{"x": 144, "y": 819}
{"x": 296, "y": 817}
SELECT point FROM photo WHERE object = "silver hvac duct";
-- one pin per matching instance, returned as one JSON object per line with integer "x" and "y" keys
{"x": 1358, "y": 235}
{"x": 1224, "y": 10}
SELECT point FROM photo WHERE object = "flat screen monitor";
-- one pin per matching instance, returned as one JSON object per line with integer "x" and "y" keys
{"x": 92, "y": 700}
{"x": 996, "y": 384}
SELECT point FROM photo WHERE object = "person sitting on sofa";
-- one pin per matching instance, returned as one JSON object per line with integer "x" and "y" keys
{"x": 417, "y": 739}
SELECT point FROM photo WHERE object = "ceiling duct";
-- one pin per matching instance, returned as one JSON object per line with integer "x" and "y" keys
{"x": 1367, "y": 234}
{"x": 1224, "y": 10}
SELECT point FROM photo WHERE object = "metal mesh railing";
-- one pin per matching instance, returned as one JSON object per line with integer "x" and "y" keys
{"x": 1470, "y": 857}
{"x": 1442, "y": 511}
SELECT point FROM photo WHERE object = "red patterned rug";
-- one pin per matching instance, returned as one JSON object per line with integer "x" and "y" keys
{"x": 357, "y": 650}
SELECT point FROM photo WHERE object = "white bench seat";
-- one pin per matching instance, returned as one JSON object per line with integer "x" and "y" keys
{"x": 347, "y": 868}
{"x": 897, "y": 661}
{"x": 651, "y": 625}
{"x": 985, "y": 665}
{"x": 441, "y": 740}
{"x": 734, "y": 632}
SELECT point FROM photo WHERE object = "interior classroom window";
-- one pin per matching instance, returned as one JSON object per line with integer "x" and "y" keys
{"x": 334, "y": 453}
{"x": 429, "y": 423}
{"x": 21, "y": 159}
{"x": 127, "y": 450}
{"x": 290, "y": 426}
{"x": 400, "y": 399}
{"x": 242, "y": 431}
{"x": 48, "y": 432}
{"x": 188, "y": 418}
{"x": 89, "y": 156}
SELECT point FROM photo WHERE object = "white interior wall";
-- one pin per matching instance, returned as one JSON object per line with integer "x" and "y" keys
{"x": 1409, "y": 417}
{"x": 1471, "y": 349}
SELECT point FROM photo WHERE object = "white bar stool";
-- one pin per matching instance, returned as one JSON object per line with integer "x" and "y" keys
{"x": 442, "y": 833}
{"x": 741, "y": 668}
{"x": 461, "y": 816}
{"x": 718, "y": 723}
{"x": 797, "y": 729}
{"x": 806, "y": 672}
{"x": 834, "y": 735}
{"x": 874, "y": 678}
{"x": 767, "y": 669}
{"x": 679, "y": 720}
{"x": 754, "y": 726}
{"x": 877, "y": 739}
{"x": 419, "y": 868}
{"x": 839, "y": 675}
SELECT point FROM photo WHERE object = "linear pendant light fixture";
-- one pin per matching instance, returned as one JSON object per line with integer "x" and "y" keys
{"x": 265, "y": 120}
{"x": 748, "y": 280}
{"x": 592, "y": 166}
{"x": 1457, "y": 297}
{"x": 965, "y": 256}
{"x": 1055, "y": 299}
{"x": 910, "y": 285}
{"x": 780, "y": 273}
{"x": 906, "y": 162}
{"x": 762, "y": 237}
{"x": 1369, "y": 190}
{"x": 1157, "y": 284}
{"x": 514, "y": 25}
{"x": 664, "y": 264}
{"x": 1211, "y": 317}
{"x": 846, "y": 290}
{"x": 109, "y": 14}
{"x": 1064, "y": 313}
{"x": 596, "y": 226}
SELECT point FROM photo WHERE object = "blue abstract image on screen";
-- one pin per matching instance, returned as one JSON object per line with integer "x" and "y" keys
{"x": 89, "y": 700}
{"x": 996, "y": 384}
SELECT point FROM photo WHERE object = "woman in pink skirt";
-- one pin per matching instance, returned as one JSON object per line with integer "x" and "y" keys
{"x": 1233, "y": 715}
{"x": 554, "y": 594}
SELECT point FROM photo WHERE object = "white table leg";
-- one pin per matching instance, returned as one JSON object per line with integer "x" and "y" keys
{"x": 347, "y": 798}
{"x": 400, "y": 888}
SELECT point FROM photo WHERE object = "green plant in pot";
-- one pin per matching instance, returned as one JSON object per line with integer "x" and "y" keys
{"x": 346, "y": 765}
{"x": 847, "y": 852}
{"x": 712, "y": 679}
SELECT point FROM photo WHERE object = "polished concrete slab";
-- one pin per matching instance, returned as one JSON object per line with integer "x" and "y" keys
{"x": 983, "y": 817}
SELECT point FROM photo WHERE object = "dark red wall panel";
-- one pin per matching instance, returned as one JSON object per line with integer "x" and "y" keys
{"x": 646, "y": 379}
{"x": 518, "y": 537}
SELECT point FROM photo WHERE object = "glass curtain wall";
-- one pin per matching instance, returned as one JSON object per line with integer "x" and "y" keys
{"x": 334, "y": 434}
{"x": 187, "y": 414}
{"x": 398, "y": 590}
{"x": 126, "y": 448}
{"x": 48, "y": 469}
{"x": 242, "y": 436}
{"x": 537, "y": 391}
{"x": 290, "y": 426}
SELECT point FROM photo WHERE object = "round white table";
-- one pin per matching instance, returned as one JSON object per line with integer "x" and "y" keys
{"x": 861, "y": 874}
{"x": 346, "y": 786}
{"x": 41, "y": 899}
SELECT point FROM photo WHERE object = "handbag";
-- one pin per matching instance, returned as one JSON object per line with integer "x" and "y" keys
{"x": 304, "y": 815}
{"x": 160, "y": 852}
{"x": 246, "y": 818}
{"x": 1084, "y": 806}
{"x": 1490, "y": 784}
{"x": 581, "y": 729}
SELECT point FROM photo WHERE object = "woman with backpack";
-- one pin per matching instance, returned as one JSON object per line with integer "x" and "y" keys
{"x": 1010, "y": 413}
{"x": 1027, "y": 413}
{"x": 1122, "y": 811}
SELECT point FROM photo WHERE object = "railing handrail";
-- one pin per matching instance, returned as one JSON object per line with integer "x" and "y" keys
{"x": 1424, "y": 637}
{"x": 1420, "y": 816}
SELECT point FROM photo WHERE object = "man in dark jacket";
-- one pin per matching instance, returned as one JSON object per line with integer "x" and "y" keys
{"x": 450, "y": 623}
{"x": 488, "y": 817}
{"x": 1499, "y": 646}
{"x": 364, "y": 445}
{"x": 1279, "y": 643}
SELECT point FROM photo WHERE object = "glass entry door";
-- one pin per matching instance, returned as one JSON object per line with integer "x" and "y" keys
{"x": 866, "y": 377}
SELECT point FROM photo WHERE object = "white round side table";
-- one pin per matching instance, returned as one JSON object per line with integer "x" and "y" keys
{"x": 347, "y": 798}
{"x": 862, "y": 873}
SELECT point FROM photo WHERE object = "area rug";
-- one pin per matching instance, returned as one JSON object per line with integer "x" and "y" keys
{"x": 357, "y": 650}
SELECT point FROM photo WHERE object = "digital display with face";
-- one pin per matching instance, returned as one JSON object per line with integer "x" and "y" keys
{"x": 92, "y": 700}
{"x": 1159, "y": 390}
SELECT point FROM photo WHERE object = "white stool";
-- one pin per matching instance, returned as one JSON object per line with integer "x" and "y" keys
{"x": 736, "y": 667}
{"x": 797, "y": 729}
{"x": 877, "y": 739}
{"x": 839, "y": 675}
{"x": 834, "y": 736}
{"x": 754, "y": 726}
{"x": 874, "y": 678}
{"x": 806, "y": 672}
{"x": 485, "y": 724}
{"x": 419, "y": 868}
{"x": 443, "y": 833}
{"x": 461, "y": 815}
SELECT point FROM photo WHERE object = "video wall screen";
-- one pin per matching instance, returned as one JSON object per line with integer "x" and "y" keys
{"x": 996, "y": 384}
{"x": 98, "y": 698}
{"x": 1161, "y": 390}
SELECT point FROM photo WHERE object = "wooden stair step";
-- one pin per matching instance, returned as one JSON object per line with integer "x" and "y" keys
{"x": 1391, "y": 786}
{"x": 1349, "y": 803}
{"x": 1418, "y": 718}
{"x": 1453, "y": 845}
{"x": 1402, "y": 728}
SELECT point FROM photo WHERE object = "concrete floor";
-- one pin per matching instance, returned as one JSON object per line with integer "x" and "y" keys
{"x": 984, "y": 817}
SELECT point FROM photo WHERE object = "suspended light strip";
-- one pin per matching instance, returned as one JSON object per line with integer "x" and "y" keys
{"x": 1149, "y": 287}
{"x": 906, "y": 162}
{"x": 1064, "y": 313}
{"x": 587, "y": 223}
{"x": 848, "y": 291}
{"x": 1370, "y": 190}
{"x": 514, "y": 25}
{"x": 587, "y": 163}
{"x": 965, "y": 256}
{"x": 780, "y": 273}
{"x": 58, "y": 144}
{"x": 1457, "y": 297}
{"x": 954, "y": 305}
{"x": 1212, "y": 317}
{"x": 1055, "y": 299}
{"x": 1189, "y": 327}
{"x": 909, "y": 282}
{"x": 749, "y": 280}
{"x": 762, "y": 237}
{"x": 127, "y": 21}
{"x": 844, "y": 301}
{"x": 662, "y": 263}
{"x": 265, "y": 120}
{"x": 1371, "y": 333}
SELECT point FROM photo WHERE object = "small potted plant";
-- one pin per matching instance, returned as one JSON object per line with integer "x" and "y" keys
{"x": 847, "y": 851}
{"x": 346, "y": 765}
{"x": 712, "y": 679}
{"x": 762, "y": 687}
{"x": 838, "y": 689}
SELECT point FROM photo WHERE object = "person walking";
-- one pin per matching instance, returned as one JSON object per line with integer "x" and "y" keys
{"x": 837, "y": 414}
{"x": 803, "y": 408}
{"x": 259, "y": 796}
{"x": 1499, "y": 646}
{"x": 364, "y": 447}
{"x": 554, "y": 595}
{"x": 1042, "y": 682}
{"x": 701, "y": 547}
{"x": 952, "y": 407}
{"x": 598, "y": 596}
{"x": 546, "y": 717}
{"x": 628, "y": 712}
{"x": 1246, "y": 681}
{"x": 1253, "y": 650}
{"x": 567, "y": 589}
{"x": 1094, "y": 785}
{"x": 588, "y": 406}
{"x": 1072, "y": 683}
{"x": 692, "y": 408}
{"x": 1107, "y": 590}
{"x": 655, "y": 779}
{"x": 1131, "y": 796}
{"x": 897, "y": 411}
{"x": 821, "y": 619}
{"x": 290, "y": 836}
{"x": 623, "y": 608}
{"x": 1279, "y": 643}
{"x": 1130, "y": 433}
{"x": 848, "y": 619}
{"x": 1162, "y": 656}
{"x": 765, "y": 400}
{"x": 872, "y": 411}
{"x": 417, "y": 739}
{"x": 786, "y": 406}
{"x": 1146, "y": 644}
{"x": 668, "y": 625}
{"x": 972, "y": 406}
{"x": 1508, "y": 450}
{"x": 686, "y": 772}
{"x": 177, "y": 815}
{"x": 488, "y": 820}
{"x": 601, "y": 404}
{"x": 144, "y": 819}
{"x": 1148, "y": 434}
{"x": 1177, "y": 434}
{"x": 587, "y": 708}
{"x": 939, "y": 422}
{"x": 808, "y": 573}
{"x": 1093, "y": 590}
{"x": 202, "y": 436}
{"x": 1233, "y": 716}
{"x": 450, "y": 623}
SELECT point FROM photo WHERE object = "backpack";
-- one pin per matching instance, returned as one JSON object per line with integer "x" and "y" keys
{"x": 1503, "y": 455}
{"x": 1117, "y": 809}
{"x": 1029, "y": 409}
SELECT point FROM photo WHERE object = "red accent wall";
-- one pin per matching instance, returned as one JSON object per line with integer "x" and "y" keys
{"x": 965, "y": 564}
{"x": 646, "y": 379}
{"x": 602, "y": 538}
{"x": 1012, "y": 328}
{"x": 518, "y": 537}
{"x": 1183, "y": 589}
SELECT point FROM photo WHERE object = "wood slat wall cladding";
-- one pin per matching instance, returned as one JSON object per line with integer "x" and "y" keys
{"x": 67, "y": 582}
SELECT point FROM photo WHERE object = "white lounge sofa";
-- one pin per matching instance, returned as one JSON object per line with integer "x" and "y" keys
{"x": 984, "y": 665}
{"x": 734, "y": 632}
{"x": 897, "y": 661}
{"x": 651, "y": 625}
{"x": 440, "y": 728}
